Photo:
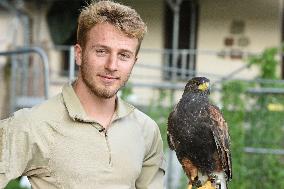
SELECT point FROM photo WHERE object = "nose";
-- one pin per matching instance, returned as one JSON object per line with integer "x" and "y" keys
{"x": 111, "y": 63}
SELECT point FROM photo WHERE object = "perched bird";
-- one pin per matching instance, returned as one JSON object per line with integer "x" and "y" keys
{"x": 198, "y": 133}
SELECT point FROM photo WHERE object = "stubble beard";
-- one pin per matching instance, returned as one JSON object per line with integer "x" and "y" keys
{"x": 105, "y": 92}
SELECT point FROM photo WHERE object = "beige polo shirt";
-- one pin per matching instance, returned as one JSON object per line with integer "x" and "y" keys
{"x": 57, "y": 146}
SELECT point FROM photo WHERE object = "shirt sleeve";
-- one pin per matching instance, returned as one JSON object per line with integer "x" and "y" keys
{"x": 15, "y": 151}
{"x": 153, "y": 168}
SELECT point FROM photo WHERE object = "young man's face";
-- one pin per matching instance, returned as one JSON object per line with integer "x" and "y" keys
{"x": 107, "y": 60}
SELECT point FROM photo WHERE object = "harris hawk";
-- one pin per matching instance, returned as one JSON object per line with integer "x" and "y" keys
{"x": 199, "y": 135}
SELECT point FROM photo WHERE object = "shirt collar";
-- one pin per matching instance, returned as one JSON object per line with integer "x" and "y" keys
{"x": 122, "y": 108}
{"x": 77, "y": 112}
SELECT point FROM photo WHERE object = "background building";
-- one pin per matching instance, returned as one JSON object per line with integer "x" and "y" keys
{"x": 185, "y": 37}
{"x": 212, "y": 38}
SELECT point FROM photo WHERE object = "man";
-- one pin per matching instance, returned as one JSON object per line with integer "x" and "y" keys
{"x": 87, "y": 137}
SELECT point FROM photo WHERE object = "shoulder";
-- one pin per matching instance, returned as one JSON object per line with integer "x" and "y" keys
{"x": 148, "y": 127}
{"x": 152, "y": 137}
{"x": 28, "y": 120}
{"x": 145, "y": 121}
{"x": 51, "y": 109}
{"x": 18, "y": 127}
{"x": 135, "y": 117}
{"x": 142, "y": 117}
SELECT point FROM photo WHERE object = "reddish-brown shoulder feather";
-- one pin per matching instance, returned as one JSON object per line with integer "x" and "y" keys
{"x": 222, "y": 139}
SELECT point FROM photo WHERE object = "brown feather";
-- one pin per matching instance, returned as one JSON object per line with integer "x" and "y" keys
{"x": 221, "y": 134}
{"x": 199, "y": 134}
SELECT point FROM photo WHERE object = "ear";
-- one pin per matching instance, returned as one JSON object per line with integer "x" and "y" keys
{"x": 78, "y": 54}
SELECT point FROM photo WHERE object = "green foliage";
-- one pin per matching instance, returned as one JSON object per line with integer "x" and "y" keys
{"x": 266, "y": 62}
{"x": 234, "y": 113}
{"x": 252, "y": 124}
{"x": 160, "y": 112}
{"x": 14, "y": 184}
{"x": 126, "y": 91}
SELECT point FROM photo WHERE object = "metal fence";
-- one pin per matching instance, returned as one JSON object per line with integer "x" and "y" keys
{"x": 25, "y": 87}
{"x": 172, "y": 78}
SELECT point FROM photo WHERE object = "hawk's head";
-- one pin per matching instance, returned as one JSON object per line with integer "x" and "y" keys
{"x": 198, "y": 85}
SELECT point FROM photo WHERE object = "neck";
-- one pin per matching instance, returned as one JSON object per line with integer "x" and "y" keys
{"x": 97, "y": 108}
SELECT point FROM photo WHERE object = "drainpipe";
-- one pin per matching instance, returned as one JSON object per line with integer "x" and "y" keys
{"x": 192, "y": 40}
{"x": 175, "y": 6}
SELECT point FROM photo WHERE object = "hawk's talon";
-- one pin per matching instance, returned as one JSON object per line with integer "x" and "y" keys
{"x": 218, "y": 184}
{"x": 196, "y": 182}
{"x": 215, "y": 181}
{"x": 213, "y": 176}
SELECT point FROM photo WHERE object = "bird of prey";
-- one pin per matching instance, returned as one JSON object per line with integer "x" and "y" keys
{"x": 198, "y": 133}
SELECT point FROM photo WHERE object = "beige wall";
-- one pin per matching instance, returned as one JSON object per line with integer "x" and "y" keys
{"x": 10, "y": 31}
{"x": 262, "y": 28}
{"x": 42, "y": 38}
{"x": 152, "y": 13}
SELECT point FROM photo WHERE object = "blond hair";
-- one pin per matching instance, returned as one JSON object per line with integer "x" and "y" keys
{"x": 120, "y": 16}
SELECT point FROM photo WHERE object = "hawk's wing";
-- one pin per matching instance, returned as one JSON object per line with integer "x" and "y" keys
{"x": 171, "y": 126}
{"x": 189, "y": 168}
{"x": 222, "y": 139}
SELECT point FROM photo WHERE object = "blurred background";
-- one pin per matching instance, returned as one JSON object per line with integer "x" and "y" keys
{"x": 237, "y": 44}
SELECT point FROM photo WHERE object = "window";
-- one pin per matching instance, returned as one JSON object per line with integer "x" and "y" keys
{"x": 180, "y": 64}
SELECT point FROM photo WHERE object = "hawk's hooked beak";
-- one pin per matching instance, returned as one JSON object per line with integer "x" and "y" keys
{"x": 203, "y": 86}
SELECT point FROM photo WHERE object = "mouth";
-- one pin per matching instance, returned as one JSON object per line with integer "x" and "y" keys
{"x": 108, "y": 78}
